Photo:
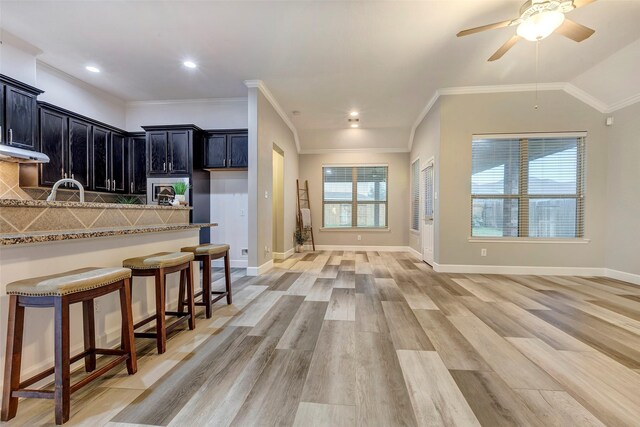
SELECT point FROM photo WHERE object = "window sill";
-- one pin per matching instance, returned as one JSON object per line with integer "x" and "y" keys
{"x": 353, "y": 229}
{"x": 526, "y": 240}
{"x": 412, "y": 231}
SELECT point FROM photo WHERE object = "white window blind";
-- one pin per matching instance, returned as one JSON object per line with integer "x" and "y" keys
{"x": 415, "y": 195}
{"x": 354, "y": 196}
{"x": 528, "y": 187}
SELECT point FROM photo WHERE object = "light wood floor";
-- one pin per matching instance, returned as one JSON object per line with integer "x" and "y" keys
{"x": 368, "y": 338}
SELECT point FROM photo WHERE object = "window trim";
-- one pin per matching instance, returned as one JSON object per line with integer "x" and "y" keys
{"x": 523, "y": 197}
{"x": 354, "y": 197}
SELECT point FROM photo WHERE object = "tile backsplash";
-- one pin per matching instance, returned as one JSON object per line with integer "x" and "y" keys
{"x": 10, "y": 182}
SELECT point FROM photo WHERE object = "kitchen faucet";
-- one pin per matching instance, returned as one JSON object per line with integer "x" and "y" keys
{"x": 52, "y": 196}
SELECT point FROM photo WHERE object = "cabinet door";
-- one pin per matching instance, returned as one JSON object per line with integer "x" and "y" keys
{"x": 100, "y": 161}
{"x": 53, "y": 130}
{"x": 238, "y": 151}
{"x": 3, "y": 128}
{"x": 179, "y": 149}
{"x": 138, "y": 165}
{"x": 157, "y": 152}
{"x": 118, "y": 164}
{"x": 79, "y": 139}
{"x": 216, "y": 151}
{"x": 20, "y": 115}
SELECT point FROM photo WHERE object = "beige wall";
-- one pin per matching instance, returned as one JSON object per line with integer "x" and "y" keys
{"x": 398, "y": 194}
{"x": 465, "y": 115}
{"x": 278, "y": 202}
{"x": 426, "y": 145}
{"x": 267, "y": 128}
{"x": 623, "y": 191}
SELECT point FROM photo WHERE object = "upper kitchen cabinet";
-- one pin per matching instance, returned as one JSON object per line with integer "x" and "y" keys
{"x": 137, "y": 152}
{"x": 226, "y": 150}
{"x": 171, "y": 149}
{"x": 18, "y": 113}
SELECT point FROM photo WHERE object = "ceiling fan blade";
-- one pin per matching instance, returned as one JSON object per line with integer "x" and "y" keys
{"x": 485, "y": 28}
{"x": 580, "y": 3}
{"x": 504, "y": 48}
{"x": 575, "y": 31}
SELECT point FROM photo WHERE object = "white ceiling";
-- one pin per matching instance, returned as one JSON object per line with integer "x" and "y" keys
{"x": 323, "y": 58}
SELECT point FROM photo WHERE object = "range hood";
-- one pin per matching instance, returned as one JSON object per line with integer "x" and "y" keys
{"x": 20, "y": 155}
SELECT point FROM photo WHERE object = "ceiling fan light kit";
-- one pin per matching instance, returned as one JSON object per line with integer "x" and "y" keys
{"x": 538, "y": 20}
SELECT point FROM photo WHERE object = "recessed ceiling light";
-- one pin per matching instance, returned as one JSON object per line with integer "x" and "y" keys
{"x": 189, "y": 64}
{"x": 355, "y": 125}
{"x": 92, "y": 69}
{"x": 354, "y": 114}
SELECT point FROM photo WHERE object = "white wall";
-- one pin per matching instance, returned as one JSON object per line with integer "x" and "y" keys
{"x": 623, "y": 195}
{"x": 17, "y": 58}
{"x": 75, "y": 95}
{"x": 319, "y": 140}
{"x": 204, "y": 113}
{"x": 229, "y": 209}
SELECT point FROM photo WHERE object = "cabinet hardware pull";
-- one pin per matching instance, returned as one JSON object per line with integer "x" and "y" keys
{"x": 72, "y": 177}
{"x": 170, "y": 166}
{"x": 164, "y": 166}
{"x": 131, "y": 187}
{"x": 108, "y": 185}
{"x": 224, "y": 163}
{"x": 114, "y": 185}
{"x": 10, "y": 136}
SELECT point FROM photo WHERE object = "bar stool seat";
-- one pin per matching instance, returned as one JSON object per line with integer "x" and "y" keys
{"x": 206, "y": 253}
{"x": 159, "y": 265}
{"x": 60, "y": 291}
{"x": 159, "y": 260}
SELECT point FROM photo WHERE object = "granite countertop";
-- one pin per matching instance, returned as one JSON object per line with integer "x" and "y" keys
{"x": 61, "y": 204}
{"x": 54, "y": 236}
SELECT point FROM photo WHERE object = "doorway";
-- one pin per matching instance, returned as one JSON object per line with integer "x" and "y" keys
{"x": 428, "y": 237}
{"x": 277, "y": 234}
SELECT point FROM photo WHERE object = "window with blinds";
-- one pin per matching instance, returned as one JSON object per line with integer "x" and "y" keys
{"x": 415, "y": 195}
{"x": 528, "y": 186}
{"x": 428, "y": 192}
{"x": 354, "y": 196}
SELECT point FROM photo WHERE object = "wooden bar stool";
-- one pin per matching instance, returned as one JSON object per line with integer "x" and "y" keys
{"x": 159, "y": 265}
{"x": 207, "y": 253}
{"x": 60, "y": 291}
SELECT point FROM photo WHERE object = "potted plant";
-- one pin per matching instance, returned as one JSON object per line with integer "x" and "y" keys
{"x": 180, "y": 188}
{"x": 300, "y": 236}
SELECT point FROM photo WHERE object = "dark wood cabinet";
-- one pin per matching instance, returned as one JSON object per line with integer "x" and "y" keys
{"x": 226, "y": 150}
{"x": 18, "y": 113}
{"x": 118, "y": 163}
{"x": 170, "y": 149}
{"x": 92, "y": 153}
{"x": 78, "y": 152}
{"x": 100, "y": 144}
{"x": 137, "y": 164}
{"x": 53, "y": 142}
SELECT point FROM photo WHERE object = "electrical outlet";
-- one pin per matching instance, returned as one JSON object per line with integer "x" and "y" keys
{"x": 244, "y": 251}
{"x": 241, "y": 212}
{"x": 266, "y": 194}
{"x": 359, "y": 237}
{"x": 483, "y": 252}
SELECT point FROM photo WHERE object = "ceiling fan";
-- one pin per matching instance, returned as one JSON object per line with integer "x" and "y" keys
{"x": 537, "y": 20}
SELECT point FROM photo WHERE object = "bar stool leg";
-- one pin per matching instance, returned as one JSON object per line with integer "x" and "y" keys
{"x": 89, "y": 327}
{"x": 62, "y": 390}
{"x": 161, "y": 331}
{"x": 206, "y": 285}
{"x": 13, "y": 359}
{"x": 190, "y": 297}
{"x": 181, "y": 291}
{"x": 227, "y": 276}
{"x": 127, "y": 340}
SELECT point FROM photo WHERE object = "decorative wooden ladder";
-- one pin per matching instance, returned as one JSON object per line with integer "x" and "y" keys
{"x": 304, "y": 202}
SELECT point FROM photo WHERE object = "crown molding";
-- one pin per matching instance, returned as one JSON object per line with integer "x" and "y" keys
{"x": 188, "y": 101}
{"x": 259, "y": 84}
{"x": 568, "y": 88}
{"x": 380, "y": 150}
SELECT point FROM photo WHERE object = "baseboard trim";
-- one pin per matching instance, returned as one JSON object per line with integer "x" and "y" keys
{"x": 256, "y": 271}
{"x": 234, "y": 263}
{"x": 414, "y": 253}
{"x": 283, "y": 255}
{"x": 624, "y": 276}
{"x": 362, "y": 248}
{"x": 508, "y": 269}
